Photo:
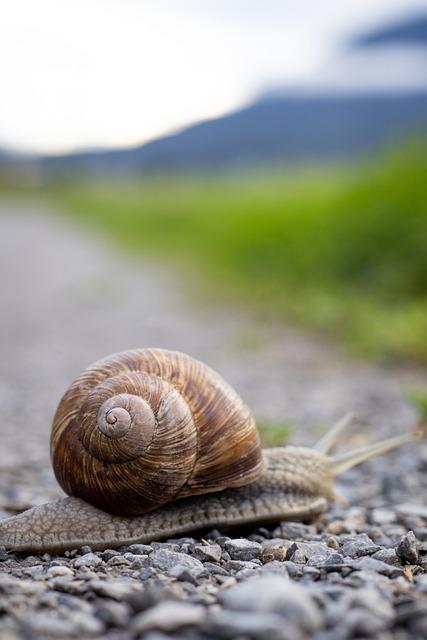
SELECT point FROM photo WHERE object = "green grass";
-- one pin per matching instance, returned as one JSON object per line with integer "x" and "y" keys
{"x": 343, "y": 251}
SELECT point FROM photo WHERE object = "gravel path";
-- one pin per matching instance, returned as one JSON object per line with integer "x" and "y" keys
{"x": 68, "y": 299}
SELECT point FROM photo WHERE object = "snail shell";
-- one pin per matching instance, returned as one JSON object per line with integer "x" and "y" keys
{"x": 141, "y": 428}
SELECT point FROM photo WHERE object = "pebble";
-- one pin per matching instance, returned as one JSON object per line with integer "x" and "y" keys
{"x": 87, "y": 560}
{"x": 359, "y": 545}
{"x": 275, "y": 594}
{"x": 370, "y": 564}
{"x": 243, "y": 549}
{"x": 112, "y": 613}
{"x": 257, "y": 626}
{"x": 208, "y": 552}
{"x": 166, "y": 560}
{"x": 115, "y": 589}
{"x": 407, "y": 549}
{"x": 386, "y": 555}
{"x": 54, "y": 572}
{"x": 140, "y": 549}
{"x": 168, "y": 616}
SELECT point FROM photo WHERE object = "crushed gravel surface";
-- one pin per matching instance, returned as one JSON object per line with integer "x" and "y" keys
{"x": 359, "y": 572}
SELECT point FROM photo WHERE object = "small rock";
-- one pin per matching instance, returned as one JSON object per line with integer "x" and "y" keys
{"x": 299, "y": 557}
{"x": 275, "y": 594}
{"x": 216, "y": 569}
{"x": 333, "y": 543}
{"x": 249, "y": 624}
{"x": 168, "y": 616}
{"x": 369, "y": 564}
{"x": 87, "y": 560}
{"x": 421, "y": 583}
{"x": 243, "y": 549}
{"x": 208, "y": 552}
{"x": 240, "y": 565}
{"x": 359, "y": 545}
{"x": 383, "y": 516}
{"x": 336, "y": 527}
{"x": 50, "y": 624}
{"x": 294, "y": 530}
{"x": 85, "y": 550}
{"x": 115, "y": 589}
{"x": 140, "y": 549}
{"x": 387, "y": 555}
{"x": 108, "y": 554}
{"x": 275, "y": 567}
{"x": 146, "y": 573}
{"x": 137, "y": 561}
{"x": 54, "y": 572}
{"x": 182, "y": 573}
{"x": 270, "y": 554}
{"x": 166, "y": 560}
{"x": 118, "y": 561}
{"x": 113, "y": 613}
{"x": 3, "y": 554}
{"x": 408, "y": 547}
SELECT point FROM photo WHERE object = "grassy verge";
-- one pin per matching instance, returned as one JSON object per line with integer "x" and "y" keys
{"x": 342, "y": 251}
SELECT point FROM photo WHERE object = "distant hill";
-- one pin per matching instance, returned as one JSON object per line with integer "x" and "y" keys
{"x": 283, "y": 128}
{"x": 410, "y": 31}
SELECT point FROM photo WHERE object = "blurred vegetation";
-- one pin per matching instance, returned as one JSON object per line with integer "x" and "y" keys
{"x": 274, "y": 433}
{"x": 419, "y": 400}
{"x": 341, "y": 250}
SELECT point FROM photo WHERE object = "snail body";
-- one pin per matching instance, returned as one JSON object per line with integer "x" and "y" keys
{"x": 151, "y": 444}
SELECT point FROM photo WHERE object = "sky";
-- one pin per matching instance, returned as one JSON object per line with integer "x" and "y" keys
{"x": 98, "y": 73}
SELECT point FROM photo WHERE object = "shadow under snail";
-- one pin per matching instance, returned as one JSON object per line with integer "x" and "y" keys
{"x": 151, "y": 444}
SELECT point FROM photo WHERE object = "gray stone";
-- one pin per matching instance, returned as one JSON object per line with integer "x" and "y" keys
{"x": 275, "y": 567}
{"x": 383, "y": 516}
{"x": 76, "y": 623}
{"x": 407, "y": 549}
{"x": 208, "y": 552}
{"x": 85, "y": 550}
{"x": 249, "y": 624}
{"x": 10, "y": 585}
{"x": 109, "y": 553}
{"x": 119, "y": 561}
{"x": 386, "y": 555}
{"x": 370, "y": 564}
{"x": 115, "y": 589}
{"x": 56, "y": 571}
{"x": 113, "y": 613}
{"x": 421, "y": 582}
{"x": 359, "y": 545}
{"x": 233, "y": 566}
{"x": 168, "y": 616}
{"x": 140, "y": 549}
{"x": 299, "y": 557}
{"x": 216, "y": 569}
{"x": 166, "y": 560}
{"x": 275, "y": 594}
{"x": 243, "y": 549}
{"x": 184, "y": 574}
{"x": 146, "y": 573}
{"x": 87, "y": 560}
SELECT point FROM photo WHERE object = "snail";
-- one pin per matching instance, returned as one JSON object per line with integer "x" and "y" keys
{"x": 151, "y": 444}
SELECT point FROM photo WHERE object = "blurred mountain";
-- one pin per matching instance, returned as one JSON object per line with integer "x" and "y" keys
{"x": 410, "y": 31}
{"x": 369, "y": 97}
{"x": 286, "y": 128}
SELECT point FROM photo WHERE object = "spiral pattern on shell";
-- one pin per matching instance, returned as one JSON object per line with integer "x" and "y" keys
{"x": 140, "y": 428}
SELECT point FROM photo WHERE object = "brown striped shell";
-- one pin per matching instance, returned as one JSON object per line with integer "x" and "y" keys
{"x": 140, "y": 428}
